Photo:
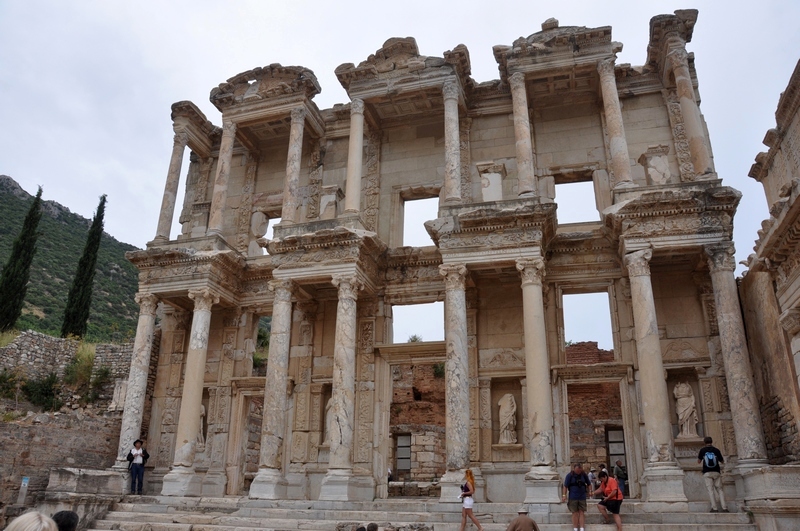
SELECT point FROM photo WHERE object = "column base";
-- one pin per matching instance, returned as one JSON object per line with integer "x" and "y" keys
{"x": 665, "y": 484}
{"x": 214, "y": 483}
{"x": 269, "y": 484}
{"x": 451, "y": 486}
{"x": 542, "y": 487}
{"x": 182, "y": 481}
{"x": 768, "y": 483}
{"x": 342, "y": 485}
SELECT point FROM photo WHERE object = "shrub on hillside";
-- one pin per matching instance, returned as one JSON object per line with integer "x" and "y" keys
{"x": 43, "y": 392}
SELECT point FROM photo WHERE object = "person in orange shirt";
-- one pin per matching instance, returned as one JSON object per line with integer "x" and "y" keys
{"x": 612, "y": 498}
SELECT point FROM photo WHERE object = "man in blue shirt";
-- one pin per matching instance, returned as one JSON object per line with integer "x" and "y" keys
{"x": 576, "y": 485}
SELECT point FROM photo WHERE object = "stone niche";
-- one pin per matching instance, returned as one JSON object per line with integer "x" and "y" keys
{"x": 506, "y": 397}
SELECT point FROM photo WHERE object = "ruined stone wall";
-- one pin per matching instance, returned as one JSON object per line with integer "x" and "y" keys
{"x": 592, "y": 407}
{"x": 587, "y": 353}
{"x": 34, "y": 444}
{"x": 37, "y": 355}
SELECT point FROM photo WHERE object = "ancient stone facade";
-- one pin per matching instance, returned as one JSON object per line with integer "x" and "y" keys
{"x": 495, "y": 155}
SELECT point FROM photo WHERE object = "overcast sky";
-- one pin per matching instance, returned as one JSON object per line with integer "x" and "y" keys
{"x": 86, "y": 86}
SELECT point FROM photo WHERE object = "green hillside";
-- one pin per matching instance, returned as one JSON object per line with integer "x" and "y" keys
{"x": 62, "y": 237}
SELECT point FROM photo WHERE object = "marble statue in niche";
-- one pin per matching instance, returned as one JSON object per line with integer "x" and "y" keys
{"x": 686, "y": 408}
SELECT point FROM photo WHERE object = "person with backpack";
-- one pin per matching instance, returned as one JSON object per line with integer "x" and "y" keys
{"x": 711, "y": 458}
{"x": 576, "y": 486}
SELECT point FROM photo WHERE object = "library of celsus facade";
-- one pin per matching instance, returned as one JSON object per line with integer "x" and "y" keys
{"x": 495, "y": 154}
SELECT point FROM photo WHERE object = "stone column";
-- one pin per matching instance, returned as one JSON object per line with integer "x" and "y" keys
{"x": 181, "y": 479}
{"x": 270, "y": 482}
{"x": 745, "y": 411}
{"x": 355, "y": 158}
{"x": 663, "y": 477}
{"x": 456, "y": 380}
{"x": 452, "y": 144}
{"x": 617, "y": 142}
{"x": 137, "y": 377}
{"x": 337, "y": 483}
{"x": 692, "y": 121}
{"x": 526, "y": 171}
{"x": 220, "y": 196}
{"x": 180, "y": 140}
{"x": 291, "y": 201}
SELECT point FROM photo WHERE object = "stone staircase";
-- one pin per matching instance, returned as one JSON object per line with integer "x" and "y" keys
{"x": 156, "y": 513}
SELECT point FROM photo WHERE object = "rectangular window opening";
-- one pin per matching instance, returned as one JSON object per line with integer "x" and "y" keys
{"x": 576, "y": 202}
{"x": 588, "y": 335}
{"x": 270, "y": 228}
{"x": 415, "y": 213}
{"x": 418, "y": 322}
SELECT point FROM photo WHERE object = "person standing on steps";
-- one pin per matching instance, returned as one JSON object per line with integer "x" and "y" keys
{"x": 467, "y": 490}
{"x": 612, "y": 499}
{"x": 711, "y": 458}
{"x": 576, "y": 485}
{"x": 621, "y": 476}
{"x": 137, "y": 458}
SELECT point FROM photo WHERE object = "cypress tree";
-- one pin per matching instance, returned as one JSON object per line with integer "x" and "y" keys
{"x": 76, "y": 314}
{"x": 15, "y": 275}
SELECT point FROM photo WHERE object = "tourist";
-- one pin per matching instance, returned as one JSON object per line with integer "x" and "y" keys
{"x": 576, "y": 485}
{"x": 522, "y": 522}
{"x": 137, "y": 458}
{"x": 621, "y": 476}
{"x": 711, "y": 458}
{"x": 372, "y": 526}
{"x": 66, "y": 520}
{"x": 467, "y": 491}
{"x": 612, "y": 499}
{"x": 593, "y": 478}
{"x": 32, "y": 521}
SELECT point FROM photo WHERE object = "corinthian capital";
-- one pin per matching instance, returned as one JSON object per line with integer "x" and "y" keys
{"x": 454, "y": 275}
{"x": 348, "y": 286}
{"x": 298, "y": 115}
{"x": 721, "y": 256}
{"x": 517, "y": 80}
{"x": 606, "y": 66}
{"x": 147, "y": 303}
{"x": 677, "y": 58}
{"x": 638, "y": 263}
{"x": 450, "y": 90}
{"x": 228, "y": 128}
{"x": 203, "y": 299}
{"x": 181, "y": 138}
{"x": 790, "y": 321}
{"x": 357, "y": 106}
{"x": 282, "y": 288}
{"x": 531, "y": 270}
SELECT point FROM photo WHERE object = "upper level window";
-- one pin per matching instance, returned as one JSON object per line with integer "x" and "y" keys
{"x": 415, "y": 213}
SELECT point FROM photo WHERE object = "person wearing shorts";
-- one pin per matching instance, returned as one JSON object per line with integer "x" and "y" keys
{"x": 576, "y": 485}
{"x": 612, "y": 499}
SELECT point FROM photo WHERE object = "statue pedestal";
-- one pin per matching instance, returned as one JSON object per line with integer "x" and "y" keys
{"x": 269, "y": 484}
{"x": 665, "y": 484}
{"x": 182, "y": 481}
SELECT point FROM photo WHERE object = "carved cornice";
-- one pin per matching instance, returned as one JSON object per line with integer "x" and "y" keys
{"x": 667, "y": 32}
{"x": 721, "y": 256}
{"x": 638, "y": 263}
{"x": 790, "y": 321}
{"x": 147, "y": 303}
{"x": 454, "y": 275}
{"x": 203, "y": 299}
{"x": 270, "y": 82}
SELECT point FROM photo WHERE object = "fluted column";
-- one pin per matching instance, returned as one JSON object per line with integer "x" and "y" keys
{"x": 181, "y": 479}
{"x": 745, "y": 411}
{"x": 336, "y": 484}
{"x": 355, "y": 158}
{"x": 179, "y": 142}
{"x": 526, "y": 173}
{"x": 270, "y": 483}
{"x": 291, "y": 200}
{"x": 452, "y": 144}
{"x": 617, "y": 142}
{"x": 220, "y": 196}
{"x": 692, "y": 121}
{"x": 137, "y": 377}
{"x": 662, "y": 475}
{"x": 537, "y": 371}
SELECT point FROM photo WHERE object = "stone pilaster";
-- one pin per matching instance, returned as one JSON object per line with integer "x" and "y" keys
{"x": 355, "y": 158}
{"x": 695, "y": 133}
{"x": 790, "y": 321}
{"x": 456, "y": 380}
{"x": 338, "y": 482}
{"x": 526, "y": 171}
{"x": 663, "y": 476}
{"x": 137, "y": 377}
{"x": 736, "y": 358}
{"x": 452, "y": 144}
{"x": 182, "y": 480}
{"x": 220, "y": 197}
{"x": 180, "y": 140}
{"x": 291, "y": 200}
{"x": 270, "y": 482}
{"x": 617, "y": 141}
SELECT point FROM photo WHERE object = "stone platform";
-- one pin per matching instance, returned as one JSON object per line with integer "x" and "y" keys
{"x": 157, "y": 513}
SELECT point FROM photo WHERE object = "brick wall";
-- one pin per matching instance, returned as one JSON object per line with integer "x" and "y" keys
{"x": 587, "y": 353}
{"x": 592, "y": 407}
{"x": 32, "y": 445}
{"x": 780, "y": 430}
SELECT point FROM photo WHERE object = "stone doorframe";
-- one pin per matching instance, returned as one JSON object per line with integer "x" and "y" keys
{"x": 422, "y": 353}
{"x": 241, "y": 389}
{"x": 621, "y": 373}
